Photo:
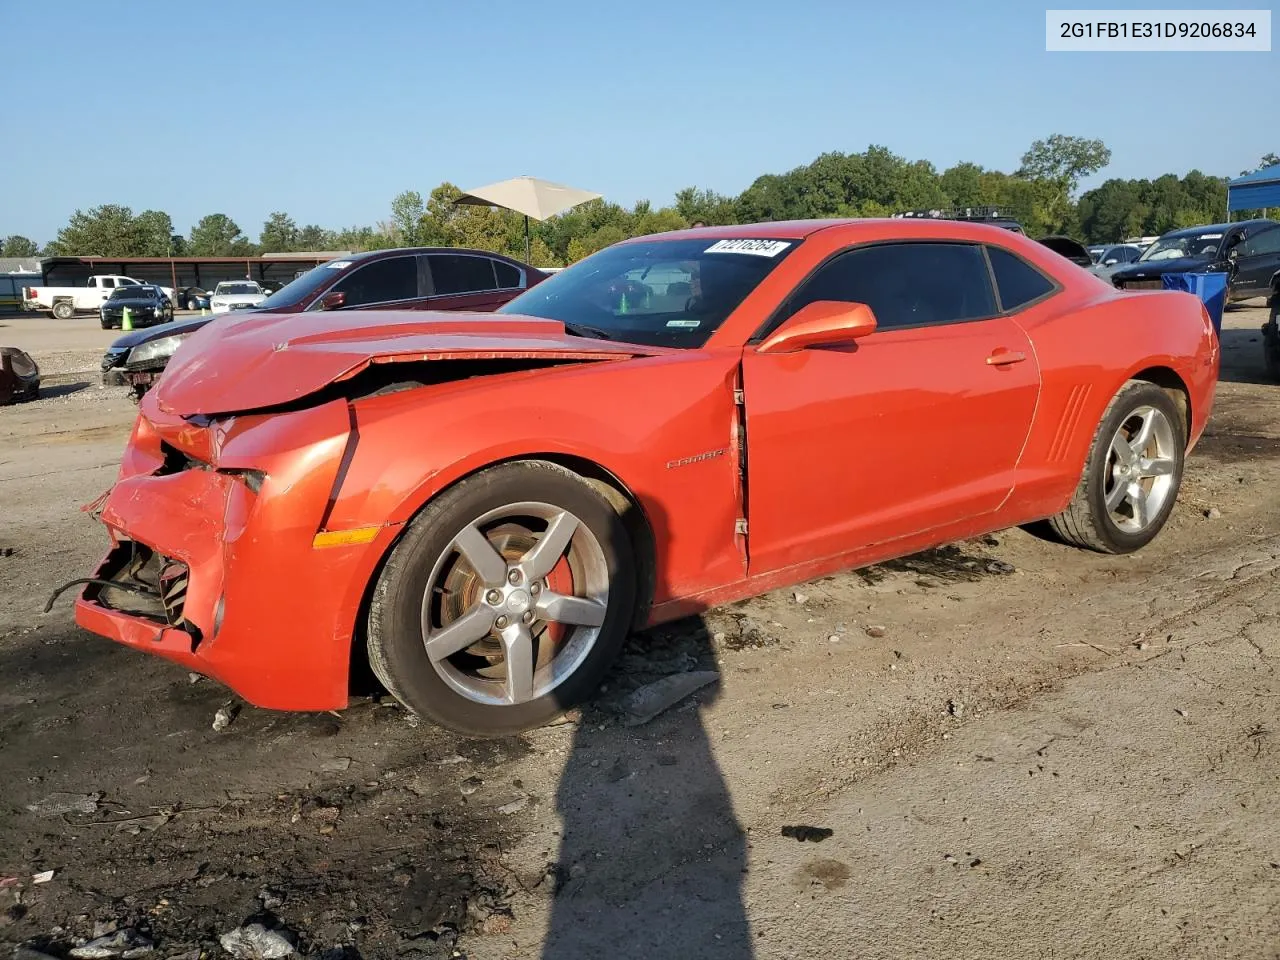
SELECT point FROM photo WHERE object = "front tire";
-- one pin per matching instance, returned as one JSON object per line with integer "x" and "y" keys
{"x": 505, "y": 602}
{"x": 1132, "y": 476}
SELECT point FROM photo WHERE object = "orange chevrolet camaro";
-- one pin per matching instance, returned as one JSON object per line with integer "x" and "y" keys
{"x": 488, "y": 503}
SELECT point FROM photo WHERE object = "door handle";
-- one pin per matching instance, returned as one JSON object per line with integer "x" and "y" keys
{"x": 1002, "y": 357}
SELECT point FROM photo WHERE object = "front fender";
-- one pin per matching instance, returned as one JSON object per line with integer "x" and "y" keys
{"x": 665, "y": 429}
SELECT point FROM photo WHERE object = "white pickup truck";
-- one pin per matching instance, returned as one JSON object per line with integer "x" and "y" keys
{"x": 64, "y": 302}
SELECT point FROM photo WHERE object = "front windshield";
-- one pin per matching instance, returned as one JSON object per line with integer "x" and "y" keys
{"x": 1202, "y": 246}
{"x": 134, "y": 292}
{"x": 236, "y": 289}
{"x": 303, "y": 286}
{"x": 670, "y": 293}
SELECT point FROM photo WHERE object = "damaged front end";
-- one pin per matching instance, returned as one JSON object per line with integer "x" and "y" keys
{"x": 213, "y": 562}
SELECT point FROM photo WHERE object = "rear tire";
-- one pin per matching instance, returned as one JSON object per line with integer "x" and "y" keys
{"x": 468, "y": 583}
{"x": 62, "y": 310}
{"x": 1132, "y": 476}
{"x": 1271, "y": 340}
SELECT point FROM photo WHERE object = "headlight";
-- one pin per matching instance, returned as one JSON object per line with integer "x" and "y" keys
{"x": 156, "y": 349}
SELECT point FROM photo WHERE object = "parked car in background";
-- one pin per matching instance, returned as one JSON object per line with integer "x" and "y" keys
{"x": 235, "y": 295}
{"x": 193, "y": 298}
{"x": 65, "y": 302}
{"x": 488, "y": 505}
{"x": 1248, "y": 251}
{"x": 1113, "y": 257}
{"x": 147, "y": 306}
{"x": 19, "y": 376}
{"x": 1096, "y": 251}
{"x": 404, "y": 279}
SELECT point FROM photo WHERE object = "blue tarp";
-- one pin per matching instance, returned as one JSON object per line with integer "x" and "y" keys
{"x": 1255, "y": 191}
{"x": 1211, "y": 288}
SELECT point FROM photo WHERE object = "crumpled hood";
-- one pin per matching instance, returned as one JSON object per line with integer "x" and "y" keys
{"x": 262, "y": 360}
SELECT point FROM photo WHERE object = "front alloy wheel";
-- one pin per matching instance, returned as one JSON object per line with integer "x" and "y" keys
{"x": 505, "y": 601}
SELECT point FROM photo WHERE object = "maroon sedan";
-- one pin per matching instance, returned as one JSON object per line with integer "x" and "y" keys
{"x": 417, "y": 278}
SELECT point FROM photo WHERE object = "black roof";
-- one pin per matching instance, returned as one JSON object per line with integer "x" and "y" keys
{"x": 1219, "y": 227}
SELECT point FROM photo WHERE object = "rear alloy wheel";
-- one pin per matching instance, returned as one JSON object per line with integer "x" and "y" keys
{"x": 505, "y": 602}
{"x": 63, "y": 310}
{"x": 1131, "y": 479}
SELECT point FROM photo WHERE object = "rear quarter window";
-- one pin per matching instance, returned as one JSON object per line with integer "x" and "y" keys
{"x": 1018, "y": 282}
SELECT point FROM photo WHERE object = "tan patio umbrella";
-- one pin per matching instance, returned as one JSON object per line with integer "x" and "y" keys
{"x": 535, "y": 198}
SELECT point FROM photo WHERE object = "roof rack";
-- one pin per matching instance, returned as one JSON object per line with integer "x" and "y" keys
{"x": 985, "y": 214}
{"x": 966, "y": 213}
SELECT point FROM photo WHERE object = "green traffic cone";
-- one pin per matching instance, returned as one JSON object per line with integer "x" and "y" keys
{"x": 127, "y": 322}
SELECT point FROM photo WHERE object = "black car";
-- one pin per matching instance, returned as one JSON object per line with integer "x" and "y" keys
{"x": 1248, "y": 251}
{"x": 426, "y": 278}
{"x": 147, "y": 306}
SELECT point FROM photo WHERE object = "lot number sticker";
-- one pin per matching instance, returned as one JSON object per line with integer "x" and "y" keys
{"x": 759, "y": 248}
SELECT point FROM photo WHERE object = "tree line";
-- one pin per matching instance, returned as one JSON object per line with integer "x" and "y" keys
{"x": 1041, "y": 194}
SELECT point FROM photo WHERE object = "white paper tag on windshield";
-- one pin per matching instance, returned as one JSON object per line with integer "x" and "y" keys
{"x": 684, "y": 323}
{"x": 759, "y": 248}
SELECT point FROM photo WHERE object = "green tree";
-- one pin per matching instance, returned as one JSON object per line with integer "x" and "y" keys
{"x": 153, "y": 234}
{"x": 962, "y": 185}
{"x": 1056, "y": 165}
{"x": 19, "y": 246}
{"x": 105, "y": 231}
{"x": 407, "y": 210}
{"x": 217, "y": 235}
{"x": 279, "y": 234}
{"x": 314, "y": 237}
{"x": 705, "y": 206}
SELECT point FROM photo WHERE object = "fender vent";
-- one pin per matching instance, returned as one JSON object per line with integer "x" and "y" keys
{"x": 1067, "y": 424}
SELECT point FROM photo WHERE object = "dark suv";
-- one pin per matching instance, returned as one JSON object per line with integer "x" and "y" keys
{"x": 422, "y": 278}
{"x": 1248, "y": 251}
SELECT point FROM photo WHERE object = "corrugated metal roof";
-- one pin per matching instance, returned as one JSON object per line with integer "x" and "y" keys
{"x": 1265, "y": 175}
{"x": 20, "y": 265}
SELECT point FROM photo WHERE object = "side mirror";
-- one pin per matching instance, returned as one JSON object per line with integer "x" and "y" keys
{"x": 821, "y": 323}
{"x": 1110, "y": 261}
{"x": 333, "y": 301}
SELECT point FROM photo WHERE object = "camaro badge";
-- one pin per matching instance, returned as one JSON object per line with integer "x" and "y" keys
{"x": 685, "y": 461}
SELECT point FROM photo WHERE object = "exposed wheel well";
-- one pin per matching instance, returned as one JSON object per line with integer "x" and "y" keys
{"x": 1172, "y": 384}
{"x": 623, "y": 501}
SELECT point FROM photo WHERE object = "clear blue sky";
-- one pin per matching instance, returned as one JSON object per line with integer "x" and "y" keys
{"x": 326, "y": 110}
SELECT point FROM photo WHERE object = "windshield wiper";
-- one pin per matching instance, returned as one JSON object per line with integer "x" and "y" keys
{"x": 582, "y": 330}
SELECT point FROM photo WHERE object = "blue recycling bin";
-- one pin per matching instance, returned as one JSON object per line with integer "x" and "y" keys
{"x": 1211, "y": 288}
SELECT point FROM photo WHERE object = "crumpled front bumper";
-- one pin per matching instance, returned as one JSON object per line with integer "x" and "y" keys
{"x": 262, "y": 608}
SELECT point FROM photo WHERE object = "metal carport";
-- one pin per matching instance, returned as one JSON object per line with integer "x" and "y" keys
{"x": 1255, "y": 191}
{"x": 204, "y": 272}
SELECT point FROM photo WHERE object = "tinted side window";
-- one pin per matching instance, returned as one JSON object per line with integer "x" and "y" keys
{"x": 508, "y": 276}
{"x": 382, "y": 281}
{"x": 1019, "y": 282}
{"x": 906, "y": 284}
{"x": 457, "y": 273}
{"x": 1268, "y": 241}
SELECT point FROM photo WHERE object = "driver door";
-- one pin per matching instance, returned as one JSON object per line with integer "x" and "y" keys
{"x": 1256, "y": 261}
{"x": 915, "y": 426}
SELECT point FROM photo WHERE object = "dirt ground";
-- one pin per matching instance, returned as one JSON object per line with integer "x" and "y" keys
{"x": 1019, "y": 750}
